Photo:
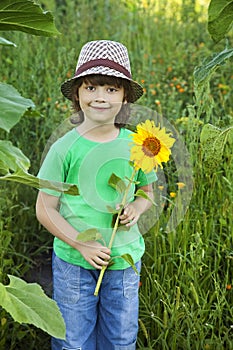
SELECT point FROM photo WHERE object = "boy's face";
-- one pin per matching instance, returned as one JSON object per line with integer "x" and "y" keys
{"x": 100, "y": 104}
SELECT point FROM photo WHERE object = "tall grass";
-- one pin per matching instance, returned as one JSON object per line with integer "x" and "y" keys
{"x": 186, "y": 295}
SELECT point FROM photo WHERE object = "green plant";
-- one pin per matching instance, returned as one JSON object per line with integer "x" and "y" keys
{"x": 220, "y": 18}
{"x": 192, "y": 310}
{"x": 16, "y": 15}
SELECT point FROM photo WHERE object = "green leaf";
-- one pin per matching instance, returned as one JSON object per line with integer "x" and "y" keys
{"x": 52, "y": 185}
{"x": 30, "y": 180}
{"x": 12, "y": 158}
{"x": 128, "y": 258}
{"x": 203, "y": 72}
{"x": 6, "y": 42}
{"x": 117, "y": 183}
{"x": 195, "y": 294}
{"x": 91, "y": 234}
{"x": 12, "y": 106}
{"x": 14, "y": 165}
{"x": 141, "y": 193}
{"x": 213, "y": 141}
{"x": 202, "y": 75}
{"x": 220, "y": 18}
{"x": 27, "y": 303}
{"x": 26, "y": 16}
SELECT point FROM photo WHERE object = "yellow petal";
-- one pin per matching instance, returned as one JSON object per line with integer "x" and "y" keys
{"x": 148, "y": 135}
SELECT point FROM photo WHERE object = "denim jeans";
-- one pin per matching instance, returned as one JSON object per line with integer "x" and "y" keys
{"x": 108, "y": 321}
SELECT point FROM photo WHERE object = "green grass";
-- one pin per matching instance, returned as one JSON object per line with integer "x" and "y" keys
{"x": 186, "y": 296}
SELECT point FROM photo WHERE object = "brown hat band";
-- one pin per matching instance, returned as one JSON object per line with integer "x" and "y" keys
{"x": 105, "y": 63}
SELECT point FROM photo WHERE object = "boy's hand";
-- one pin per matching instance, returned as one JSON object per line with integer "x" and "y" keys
{"x": 95, "y": 254}
{"x": 130, "y": 215}
{"x": 132, "y": 211}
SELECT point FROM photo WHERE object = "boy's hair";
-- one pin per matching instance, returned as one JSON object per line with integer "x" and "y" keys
{"x": 122, "y": 117}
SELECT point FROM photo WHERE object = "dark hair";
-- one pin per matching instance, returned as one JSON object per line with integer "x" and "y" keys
{"x": 122, "y": 117}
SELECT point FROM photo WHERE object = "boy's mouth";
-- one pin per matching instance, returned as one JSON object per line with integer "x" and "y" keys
{"x": 100, "y": 108}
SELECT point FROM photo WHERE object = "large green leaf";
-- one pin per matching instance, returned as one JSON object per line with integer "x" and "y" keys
{"x": 27, "y": 303}
{"x": 220, "y": 18}
{"x": 213, "y": 141}
{"x": 202, "y": 76}
{"x": 26, "y": 16}
{"x": 14, "y": 166}
{"x": 203, "y": 72}
{"x": 31, "y": 180}
{"x": 12, "y": 158}
{"x": 12, "y": 106}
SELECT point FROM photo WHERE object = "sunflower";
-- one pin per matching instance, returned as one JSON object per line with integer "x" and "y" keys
{"x": 151, "y": 146}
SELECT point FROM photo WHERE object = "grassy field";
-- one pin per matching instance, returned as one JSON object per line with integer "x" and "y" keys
{"x": 186, "y": 289}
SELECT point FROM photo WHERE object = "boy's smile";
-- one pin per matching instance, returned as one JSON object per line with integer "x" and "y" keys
{"x": 100, "y": 104}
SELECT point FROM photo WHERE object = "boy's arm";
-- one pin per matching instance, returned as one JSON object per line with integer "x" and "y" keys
{"x": 48, "y": 215}
{"x": 135, "y": 209}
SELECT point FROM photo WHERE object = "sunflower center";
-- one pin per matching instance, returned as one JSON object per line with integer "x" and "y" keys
{"x": 151, "y": 146}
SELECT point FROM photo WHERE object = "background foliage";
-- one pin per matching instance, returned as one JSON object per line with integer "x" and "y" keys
{"x": 186, "y": 281}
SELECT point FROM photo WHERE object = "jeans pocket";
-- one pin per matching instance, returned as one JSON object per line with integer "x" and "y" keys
{"x": 66, "y": 282}
{"x": 131, "y": 281}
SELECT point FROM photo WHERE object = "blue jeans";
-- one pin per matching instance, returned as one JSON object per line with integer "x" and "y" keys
{"x": 107, "y": 321}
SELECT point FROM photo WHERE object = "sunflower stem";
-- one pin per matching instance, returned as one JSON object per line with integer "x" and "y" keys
{"x": 122, "y": 205}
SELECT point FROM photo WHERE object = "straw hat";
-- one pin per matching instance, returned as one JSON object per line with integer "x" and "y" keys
{"x": 103, "y": 57}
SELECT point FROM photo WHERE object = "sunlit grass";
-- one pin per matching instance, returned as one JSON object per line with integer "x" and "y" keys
{"x": 175, "y": 9}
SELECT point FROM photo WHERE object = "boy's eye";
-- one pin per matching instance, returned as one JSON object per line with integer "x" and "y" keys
{"x": 112, "y": 89}
{"x": 90, "y": 87}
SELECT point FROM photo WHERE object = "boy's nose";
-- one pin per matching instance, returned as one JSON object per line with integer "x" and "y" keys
{"x": 99, "y": 97}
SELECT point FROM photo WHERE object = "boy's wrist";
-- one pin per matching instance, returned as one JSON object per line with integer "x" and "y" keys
{"x": 141, "y": 205}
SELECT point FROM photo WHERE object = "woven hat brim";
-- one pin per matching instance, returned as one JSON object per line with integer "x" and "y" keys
{"x": 67, "y": 86}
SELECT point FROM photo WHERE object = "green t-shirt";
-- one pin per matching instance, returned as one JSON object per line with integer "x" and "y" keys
{"x": 76, "y": 160}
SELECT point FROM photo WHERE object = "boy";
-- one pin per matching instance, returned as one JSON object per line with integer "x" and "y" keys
{"x": 87, "y": 156}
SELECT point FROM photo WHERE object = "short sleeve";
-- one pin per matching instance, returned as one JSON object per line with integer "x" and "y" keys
{"x": 146, "y": 179}
{"x": 53, "y": 169}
